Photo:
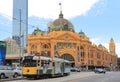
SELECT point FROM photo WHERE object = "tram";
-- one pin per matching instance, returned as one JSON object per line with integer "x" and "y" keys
{"x": 39, "y": 66}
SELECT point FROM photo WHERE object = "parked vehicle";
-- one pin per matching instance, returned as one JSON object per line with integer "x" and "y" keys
{"x": 18, "y": 71}
{"x": 100, "y": 70}
{"x": 75, "y": 69}
{"x": 6, "y": 71}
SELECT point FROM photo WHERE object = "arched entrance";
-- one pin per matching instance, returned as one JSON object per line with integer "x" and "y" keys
{"x": 70, "y": 58}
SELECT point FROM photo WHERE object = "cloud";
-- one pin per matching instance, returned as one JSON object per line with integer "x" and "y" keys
{"x": 118, "y": 49}
{"x": 6, "y": 7}
{"x": 95, "y": 40}
{"x": 51, "y": 9}
{"x": 100, "y": 8}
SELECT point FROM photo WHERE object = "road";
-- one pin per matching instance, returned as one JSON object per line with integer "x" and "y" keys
{"x": 108, "y": 77}
{"x": 79, "y": 77}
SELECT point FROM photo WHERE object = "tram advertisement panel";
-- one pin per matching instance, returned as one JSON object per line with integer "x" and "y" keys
{"x": 2, "y": 52}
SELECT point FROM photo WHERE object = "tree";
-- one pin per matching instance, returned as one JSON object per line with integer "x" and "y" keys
{"x": 118, "y": 62}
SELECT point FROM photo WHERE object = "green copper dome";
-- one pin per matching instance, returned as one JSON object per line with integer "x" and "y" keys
{"x": 36, "y": 31}
{"x": 82, "y": 34}
{"x": 61, "y": 24}
{"x": 100, "y": 46}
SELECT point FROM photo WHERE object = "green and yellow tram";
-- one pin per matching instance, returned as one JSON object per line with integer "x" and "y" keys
{"x": 39, "y": 66}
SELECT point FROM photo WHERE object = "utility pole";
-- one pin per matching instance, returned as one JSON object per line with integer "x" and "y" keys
{"x": 20, "y": 36}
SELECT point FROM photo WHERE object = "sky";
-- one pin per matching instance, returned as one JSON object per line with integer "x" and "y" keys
{"x": 98, "y": 19}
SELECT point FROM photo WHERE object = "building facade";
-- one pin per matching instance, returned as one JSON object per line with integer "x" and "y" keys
{"x": 20, "y": 22}
{"x": 13, "y": 51}
{"x": 62, "y": 41}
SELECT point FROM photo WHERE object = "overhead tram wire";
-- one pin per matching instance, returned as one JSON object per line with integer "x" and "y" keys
{"x": 5, "y": 31}
{"x": 2, "y": 29}
{"x": 18, "y": 20}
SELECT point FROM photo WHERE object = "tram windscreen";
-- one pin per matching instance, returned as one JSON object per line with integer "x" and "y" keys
{"x": 29, "y": 62}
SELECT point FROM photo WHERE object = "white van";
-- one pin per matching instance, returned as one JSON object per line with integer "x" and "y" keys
{"x": 6, "y": 71}
{"x": 18, "y": 71}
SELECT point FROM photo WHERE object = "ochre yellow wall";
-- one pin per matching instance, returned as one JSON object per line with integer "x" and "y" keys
{"x": 93, "y": 56}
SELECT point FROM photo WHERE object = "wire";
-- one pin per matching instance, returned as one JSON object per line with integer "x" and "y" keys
{"x": 16, "y": 19}
{"x": 13, "y": 18}
{"x": 5, "y": 31}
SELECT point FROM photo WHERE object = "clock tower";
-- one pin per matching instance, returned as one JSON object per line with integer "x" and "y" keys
{"x": 112, "y": 47}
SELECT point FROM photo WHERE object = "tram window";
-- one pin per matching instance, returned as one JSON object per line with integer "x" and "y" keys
{"x": 53, "y": 63}
{"x": 29, "y": 63}
{"x": 67, "y": 64}
{"x": 38, "y": 61}
{"x": 42, "y": 62}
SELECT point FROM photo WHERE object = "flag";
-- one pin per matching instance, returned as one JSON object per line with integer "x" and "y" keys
{"x": 59, "y": 3}
{"x": 78, "y": 53}
{"x": 54, "y": 50}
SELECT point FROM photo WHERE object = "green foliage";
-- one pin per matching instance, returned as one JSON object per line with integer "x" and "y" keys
{"x": 2, "y": 44}
{"x": 118, "y": 61}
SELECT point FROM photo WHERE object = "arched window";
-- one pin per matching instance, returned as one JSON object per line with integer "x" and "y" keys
{"x": 45, "y": 46}
{"x": 82, "y": 51}
{"x": 33, "y": 49}
{"x": 66, "y": 27}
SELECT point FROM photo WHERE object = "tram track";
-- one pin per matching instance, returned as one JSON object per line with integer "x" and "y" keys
{"x": 11, "y": 79}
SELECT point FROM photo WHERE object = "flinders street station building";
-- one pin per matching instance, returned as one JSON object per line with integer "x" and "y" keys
{"x": 62, "y": 41}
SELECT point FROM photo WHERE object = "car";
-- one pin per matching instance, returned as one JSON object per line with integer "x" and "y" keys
{"x": 75, "y": 69}
{"x": 18, "y": 71}
{"x": 6, "y": 71}
{"x": 100, "y": 70}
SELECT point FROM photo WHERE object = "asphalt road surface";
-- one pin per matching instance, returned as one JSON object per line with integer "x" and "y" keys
{"x": 108, "y": 77}
{"x": 78, "y": 77}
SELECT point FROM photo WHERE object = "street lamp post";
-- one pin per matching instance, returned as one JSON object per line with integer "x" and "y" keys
{"x": 21, "y": 47}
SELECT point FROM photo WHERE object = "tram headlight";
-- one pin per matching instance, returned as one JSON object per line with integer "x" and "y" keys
{"x": 28, "y": 70}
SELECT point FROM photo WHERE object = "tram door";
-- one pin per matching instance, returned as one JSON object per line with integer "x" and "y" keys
{"x": 45, "y": 65}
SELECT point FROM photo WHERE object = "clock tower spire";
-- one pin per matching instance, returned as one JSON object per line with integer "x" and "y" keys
{"x": 112, "y": 47}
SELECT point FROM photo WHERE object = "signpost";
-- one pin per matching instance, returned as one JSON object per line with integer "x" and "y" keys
{"x": 2, "y": 52}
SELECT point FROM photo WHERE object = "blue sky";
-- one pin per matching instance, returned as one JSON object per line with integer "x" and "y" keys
{"x": 98, "y": 19}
